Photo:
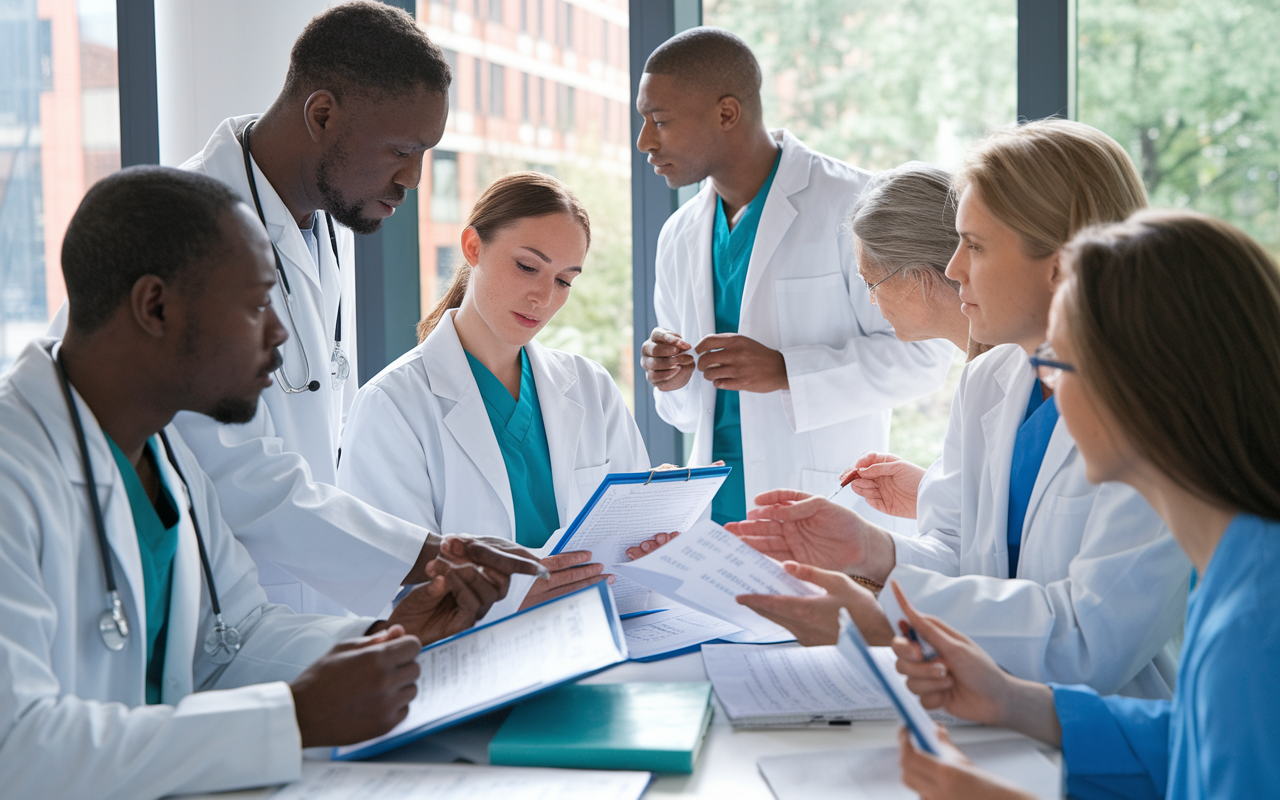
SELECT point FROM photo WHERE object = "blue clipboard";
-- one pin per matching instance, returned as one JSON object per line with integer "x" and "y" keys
{"x": 621, "y": 478}
{"x": 853, "y": 646}
{"x": 615, "y": 627}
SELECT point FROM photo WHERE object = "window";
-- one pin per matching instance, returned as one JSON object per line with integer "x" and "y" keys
{"x": 542, "y": 30}
{"x": 497, "y": 100}
{"x": 59, "y": 133}
{"x": 452, "y": 58}
{"x": 565, "y": 101}
{"x": 1193, "y": 91}
{"x": 495, "y": 11}
{"x": 568, "y": 26}
{"x": 445, "y": 201}
{"x": 880, "y": 82}
{"x": 479, "y": 99}
{"x": 524, "y": 16}
{"x": 524, "y": 96}
{"x": 604, "y": 41}
{"x": 448, "y": 258}
{"x": 542, "y": 101}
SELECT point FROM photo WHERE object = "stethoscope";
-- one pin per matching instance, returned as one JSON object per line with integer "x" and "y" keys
{"x": 339, "y": 366}
{"x": 223, "y": 641}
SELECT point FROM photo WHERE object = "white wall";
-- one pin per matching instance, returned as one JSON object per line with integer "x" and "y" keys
{"x": 217, "y": 59}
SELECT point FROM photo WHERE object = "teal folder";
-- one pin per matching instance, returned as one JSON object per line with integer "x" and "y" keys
{"x": 657, "y": 727}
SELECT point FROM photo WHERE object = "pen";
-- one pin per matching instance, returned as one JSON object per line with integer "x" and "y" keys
{"x": 925, "y": 648}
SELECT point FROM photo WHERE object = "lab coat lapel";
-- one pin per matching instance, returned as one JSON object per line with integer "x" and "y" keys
{"x": 184, "y": 596}
{"x": 778, "y": 212}
{"x": 562, "y": 418}
{"x": 450, "y": 377}
{"x": 1060, "y": 446}
{"x": 283, "y": 230}
{"x": 1000, "y": 430}
{"x": 701, "y": 274}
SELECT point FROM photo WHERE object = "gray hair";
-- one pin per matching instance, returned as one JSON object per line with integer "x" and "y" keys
{"x": 906, "y": 219}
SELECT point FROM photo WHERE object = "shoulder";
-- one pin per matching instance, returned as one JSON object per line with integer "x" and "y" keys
{"x": 828, "y": 175}
{"x": 591, "y": 376}
{"x": 403, "y": 380}
{"x": 685, "y": 218}
{"x": 998, "y": 362}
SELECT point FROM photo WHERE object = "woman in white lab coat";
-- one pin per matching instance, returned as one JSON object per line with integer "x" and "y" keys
{"x": 1057, "y": 578}
{"x": 480, "y": 428}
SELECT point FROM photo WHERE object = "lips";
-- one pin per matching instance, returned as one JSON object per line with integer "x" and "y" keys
{"x": 386, "y": 208}
{"x": 528, "y": 322}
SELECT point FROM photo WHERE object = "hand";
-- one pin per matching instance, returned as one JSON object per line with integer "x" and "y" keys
{"x": 889, "y": 484}
{"x": 966, "y": 682}
{"x": 737, "y": 364}
{"x": 456, "y": 596}
{"x": 795, "y": 526}
{"x": 649, "y": 545}
{"x": 951, "y": 777}
{"x": 666, "y": 361}
{"x": 360, "y": 689}
{"x": 815, "y": 620}
{"x": 569, "y": 573}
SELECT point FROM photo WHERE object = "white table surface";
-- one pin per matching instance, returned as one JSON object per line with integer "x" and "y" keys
{"x": 726, "y": 766}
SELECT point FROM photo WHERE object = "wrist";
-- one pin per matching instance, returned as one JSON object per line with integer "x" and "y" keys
{"x": 1028, "y": 707}
{"x": 378, "y": 626}
{"x": 881, "y": 556}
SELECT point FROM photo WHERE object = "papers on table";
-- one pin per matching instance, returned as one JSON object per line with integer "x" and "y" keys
{"x": 672, "y": 631}
{"x": 489, "y": 666}
{"x": 706, "y": 568}
{"x": 873, "y": 773}
{"x": 628, "y": 508}
{"x": 791, "y": 686}
{"x": 448, "y": 782}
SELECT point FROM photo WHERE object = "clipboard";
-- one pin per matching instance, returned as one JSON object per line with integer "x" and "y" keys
{"x": 853, "y": 646}
{"x": 381, "y": 745}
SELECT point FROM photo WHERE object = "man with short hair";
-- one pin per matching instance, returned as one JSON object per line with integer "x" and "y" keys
{"x": 795, "y": 370}
{"x": 138, "y": 655}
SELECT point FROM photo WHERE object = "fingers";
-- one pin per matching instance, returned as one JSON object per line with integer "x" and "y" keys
{"x": 778, "y": 496}
{"x": 569, "y": 558}
{"x": 834, "y": 582}
{"x": 848, "y": 475}
{"x": 803, "y": 507}
{"x": 931, "y": 629}
{"x": 360, "y": 642}
{"x": 574, "y": 574}
{"x": 668, "y": 337}
{"x": 715, "y": 341}
{"x": 503, "y": 561}
{"x": 569, "y": 588}
{"x": 649, "y": 545}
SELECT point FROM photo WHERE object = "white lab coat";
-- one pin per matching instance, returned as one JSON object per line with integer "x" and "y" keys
{"x": 73, "y": 718}
{"x": 419, "y": 444}
{"x": 803, "y": 297}
{"x": 1101, "y": 587}
{"x": 318, "y": 550}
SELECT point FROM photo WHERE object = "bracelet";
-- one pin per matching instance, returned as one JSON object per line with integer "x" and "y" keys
{"x": 874, "y": 586}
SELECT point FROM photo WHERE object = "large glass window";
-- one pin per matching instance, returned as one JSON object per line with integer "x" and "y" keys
{"x": 543, "y": 132}
{"x": 59, "y": 133}
{"x": 880, "y": 82}
{"x": 1192, "y": 89}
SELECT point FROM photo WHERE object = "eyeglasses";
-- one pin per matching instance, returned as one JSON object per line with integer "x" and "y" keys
{"x": 871, "y": 287}
{"x": 1047, "y": 368}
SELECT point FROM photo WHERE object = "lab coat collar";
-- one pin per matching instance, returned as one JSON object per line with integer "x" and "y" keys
{"x": 562, "y": 418}
{"x": 778, "y": 212}
{"x": 449, "y": 377}
{"x": 187, "y": 584}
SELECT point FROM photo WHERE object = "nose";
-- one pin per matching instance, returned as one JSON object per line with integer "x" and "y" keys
{"x": 541, "y": 294}
{"x": 645, "y": 142}
{"x": 958, "y": 266}
{"x": 411, "y": 174}
{"x": 275, "y": 330}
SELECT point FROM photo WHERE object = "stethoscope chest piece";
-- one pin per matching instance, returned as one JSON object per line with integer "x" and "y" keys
{"x": 222, "y": 643}
{"x": 339, "y": 368}
{"x": 113, "y": 626}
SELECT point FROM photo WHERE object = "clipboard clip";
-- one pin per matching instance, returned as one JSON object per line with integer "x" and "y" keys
{"x": 688, "y": 474}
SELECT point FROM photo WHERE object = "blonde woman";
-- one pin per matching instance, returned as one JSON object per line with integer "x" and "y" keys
{"x": 480, "y": 428}
{"x": 1191, "y": 425}
{"x": 1058, "y": 578}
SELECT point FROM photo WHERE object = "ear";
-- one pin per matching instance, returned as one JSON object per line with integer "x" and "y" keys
{"x": 147, "y": 303}
{"x": 1056, "y": 273}
{"x": 730, "y": 111}
{"x": 318, "y": 112}
{"x": 471, "y": 246}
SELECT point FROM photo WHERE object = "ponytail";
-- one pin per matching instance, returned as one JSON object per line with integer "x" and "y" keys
{"x": 452, "y": 299}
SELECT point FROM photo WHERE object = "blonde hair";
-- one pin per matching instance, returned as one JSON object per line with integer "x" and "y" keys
{"x": 511, "y": 198}
{"x": 1049, "y": 179}
{"x": 1175, "y": 320}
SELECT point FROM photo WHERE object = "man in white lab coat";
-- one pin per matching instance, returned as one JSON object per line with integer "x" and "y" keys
{"x": 137, "y": 693}
{"x": 795, "y": 371}
{"x": 366, "y": 96}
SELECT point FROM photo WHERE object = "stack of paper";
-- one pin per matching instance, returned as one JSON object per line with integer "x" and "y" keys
{"x": 448, "y": 782}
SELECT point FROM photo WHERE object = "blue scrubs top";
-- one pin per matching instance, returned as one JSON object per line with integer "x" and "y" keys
{"x": 157, "y": 528}
{"x": 1218, "y": 736}
{"x": 730, "y": 256}
{"x": 522, "y": 438}
{"x": 1028, "y": 452}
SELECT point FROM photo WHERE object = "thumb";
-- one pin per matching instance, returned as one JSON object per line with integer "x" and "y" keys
{"x": 361, "y": 642}
{"x": 824, "y": 578}
{"x": 927, "y": 627}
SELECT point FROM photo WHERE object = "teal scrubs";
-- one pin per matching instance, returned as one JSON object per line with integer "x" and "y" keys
{"x": 522, "y": 438}
{"x": 730, "y": 256}
{"x": 157, "y": 527}
{"x": 1028, "y": 453}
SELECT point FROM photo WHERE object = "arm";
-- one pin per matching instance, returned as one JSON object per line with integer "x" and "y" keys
{"x": 1116, "y": 747}
{"x": 673, "y": 304}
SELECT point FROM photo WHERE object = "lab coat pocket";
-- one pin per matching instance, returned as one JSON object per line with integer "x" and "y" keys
{"x": 818, "y": 482}
{"x": 813, "y": 310}
{"x": 1068, "y": 506}
{"x": 587, "y": 479}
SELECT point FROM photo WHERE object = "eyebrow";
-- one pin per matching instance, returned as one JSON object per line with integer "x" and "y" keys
{"x": 647, "y": 110}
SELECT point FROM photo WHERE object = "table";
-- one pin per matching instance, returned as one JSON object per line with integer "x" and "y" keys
{"x": 725, "y": 768}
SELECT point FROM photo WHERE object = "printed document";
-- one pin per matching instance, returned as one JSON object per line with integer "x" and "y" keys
{"x": 672, "y": 630}
{"x": 321, "y": 781}
{"x": 707, "y": 567}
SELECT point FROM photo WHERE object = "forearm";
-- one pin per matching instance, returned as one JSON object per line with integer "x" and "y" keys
{"x": 880, "y": 557}
{"x": 1027, "y": 707}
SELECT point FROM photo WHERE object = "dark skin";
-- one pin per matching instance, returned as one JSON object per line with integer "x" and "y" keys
{"x": 691, "y": 134}
{"x": 194, "y": 345}
{"x": 381, "y": 140}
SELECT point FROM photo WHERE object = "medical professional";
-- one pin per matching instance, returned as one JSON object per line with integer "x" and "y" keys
{"x": 365, "y": 97}
{"x": 768, "y": 349}
{"x": 480, "y": 427}
{"x": 1059, "y": 578}
{"x": 139, "y": 655}
{"x": 1190, "y": 425}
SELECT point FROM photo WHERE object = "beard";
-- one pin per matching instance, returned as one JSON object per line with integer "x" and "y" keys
{"x": 336, "y": 204}
{"x": 234, "y": 410}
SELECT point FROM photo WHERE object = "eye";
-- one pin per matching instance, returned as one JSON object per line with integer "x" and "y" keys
{"x": 973, "y": 248}
{"x": 400, "y": 154}
{"x": 527, "y": 268}
{"x": 564, "y": 283}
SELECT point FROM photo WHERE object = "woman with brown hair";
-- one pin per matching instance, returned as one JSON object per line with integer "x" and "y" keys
{"x": 480, "y": 428}
{"x": 1168, "y": 331}
{"x": 1059, "y": 578}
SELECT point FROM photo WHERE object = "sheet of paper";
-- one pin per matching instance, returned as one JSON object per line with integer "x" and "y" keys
{"x": 854, "y": 647}
{"x": 707, "y": 567}
{"x": 756, "y": 681}
{"x": 546, "y": 645}
{"x": 628, "y": 514}
{"x": 674, "y": 629}
{"x": 449, "y": 782}
{"x": 873, "y": 773}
